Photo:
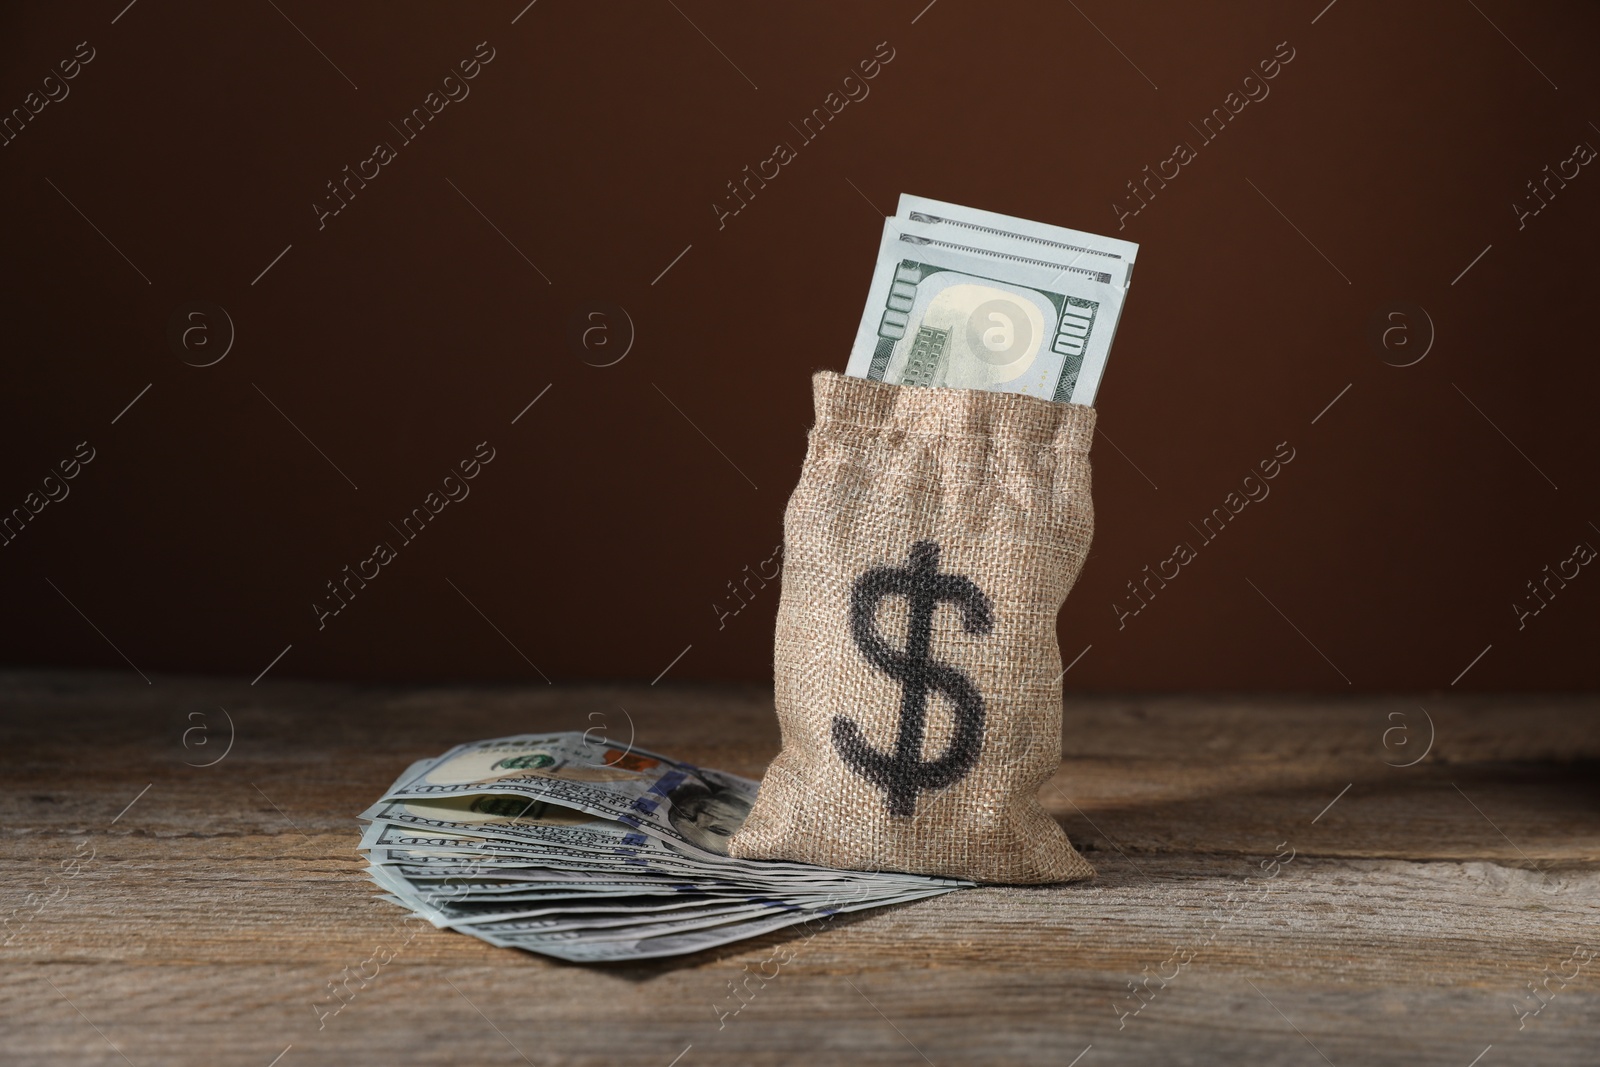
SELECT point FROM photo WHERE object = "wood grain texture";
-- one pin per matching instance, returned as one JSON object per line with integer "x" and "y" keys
{"x": 1408, "y": 927}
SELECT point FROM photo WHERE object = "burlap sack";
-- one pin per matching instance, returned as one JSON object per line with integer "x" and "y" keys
{"x": 927, "y": 550}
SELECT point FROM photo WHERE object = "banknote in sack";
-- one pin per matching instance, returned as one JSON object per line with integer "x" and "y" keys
{"x": 942, "y": 515}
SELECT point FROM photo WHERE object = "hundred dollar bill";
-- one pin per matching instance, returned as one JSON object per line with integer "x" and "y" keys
{"x": 495, "y": 830}
{"x": 972, "y": 306}
{"x": 691, "y": 811}
{"x": 659, "y": 925}
{"x": 956, "y": 224}
{"x": 652, "y": 793}
{"x": 593, "y": 852}
{"x": 700, "y": 915}
{"x": 622, "y": 947}
{"x": 622, "y": 907}
{"x": 448, "y": 831}
{"x": 474, "y": 898}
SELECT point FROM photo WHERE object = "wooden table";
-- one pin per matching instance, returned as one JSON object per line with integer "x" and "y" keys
{"x": 1273, "y": 889}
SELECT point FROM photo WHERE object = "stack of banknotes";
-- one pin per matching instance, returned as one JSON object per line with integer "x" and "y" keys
{"x": 574, "y": 846}
{"x": 970, "y": 299}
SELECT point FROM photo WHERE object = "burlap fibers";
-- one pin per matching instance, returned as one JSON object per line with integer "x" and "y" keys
{"x": 927, "y": 550}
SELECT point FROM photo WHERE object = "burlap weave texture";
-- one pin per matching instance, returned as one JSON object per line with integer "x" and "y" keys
{"x": 927, "y": 550}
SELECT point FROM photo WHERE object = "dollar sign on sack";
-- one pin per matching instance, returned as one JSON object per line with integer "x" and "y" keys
{"x": 903, "y": 773}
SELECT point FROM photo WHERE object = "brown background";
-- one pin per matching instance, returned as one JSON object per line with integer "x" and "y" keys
{"x": 601, "y": 536}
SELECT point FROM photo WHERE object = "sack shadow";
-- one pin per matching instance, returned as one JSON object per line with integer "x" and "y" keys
{"x": 1514, "y": 813}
